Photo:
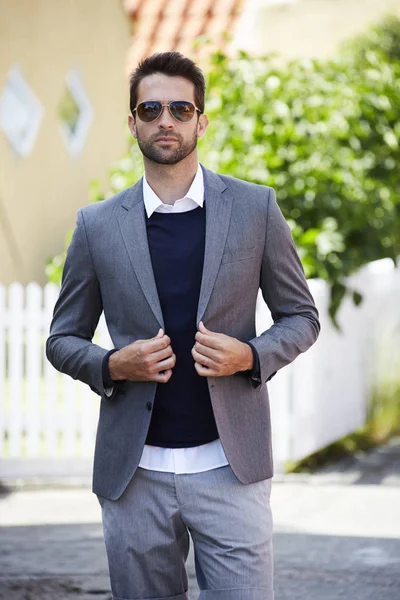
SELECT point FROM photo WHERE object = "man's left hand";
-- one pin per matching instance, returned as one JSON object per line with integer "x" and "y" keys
{"x": 219, "y": 355}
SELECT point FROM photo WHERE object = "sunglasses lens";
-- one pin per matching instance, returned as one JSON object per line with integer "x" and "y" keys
{"x": 183, "y": 111}
{"x": 149, "y": 111}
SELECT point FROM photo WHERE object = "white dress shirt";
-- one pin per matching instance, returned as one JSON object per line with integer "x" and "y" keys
{"x": 207, "y": 456}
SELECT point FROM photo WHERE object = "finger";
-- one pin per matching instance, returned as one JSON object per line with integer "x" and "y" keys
{"x": 159, "y": 343}
{"x": 203, "y": 360}
{"x": 204, "y": 371}
{"x": 159, "y": 334}
{"x": 204, "y": 329}
{"x": 159, "y": 355}
{"x": 211, "y": 341}
{"x": 163, "y": 377}
{"x": 166, "y": 364}
{"x": 206, "y": 351}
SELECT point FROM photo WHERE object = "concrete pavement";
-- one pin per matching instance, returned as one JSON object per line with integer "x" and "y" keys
{"x": 337, "y": 535}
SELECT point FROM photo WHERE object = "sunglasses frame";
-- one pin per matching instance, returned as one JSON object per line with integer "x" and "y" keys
{"x": 168, "y": 104}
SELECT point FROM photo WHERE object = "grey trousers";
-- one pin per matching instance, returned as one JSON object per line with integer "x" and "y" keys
{"x": 146, "y": 533}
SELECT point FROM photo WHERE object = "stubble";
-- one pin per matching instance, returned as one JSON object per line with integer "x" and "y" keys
{"x": 165, "y": 155}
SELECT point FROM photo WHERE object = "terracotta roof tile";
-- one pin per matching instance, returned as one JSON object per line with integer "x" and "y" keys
{"x": 162, "y": 25}
{"x": 175, "y": 7}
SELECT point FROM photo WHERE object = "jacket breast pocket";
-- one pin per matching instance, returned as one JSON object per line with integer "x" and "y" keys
{"x": 230, "y": 256}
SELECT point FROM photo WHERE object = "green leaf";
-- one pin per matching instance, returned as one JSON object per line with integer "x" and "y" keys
{"x": 338, "y": 292}
{"x": 357, "y": 298}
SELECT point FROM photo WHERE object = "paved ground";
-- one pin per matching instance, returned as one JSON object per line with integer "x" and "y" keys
{"x": 337, "y": 535}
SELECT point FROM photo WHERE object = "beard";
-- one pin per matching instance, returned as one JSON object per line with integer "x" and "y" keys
{"x": 167, "y": 156}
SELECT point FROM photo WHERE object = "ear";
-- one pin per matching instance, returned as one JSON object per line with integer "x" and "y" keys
{"x": 202, "y": 125}
{"x": 132, "y": 126}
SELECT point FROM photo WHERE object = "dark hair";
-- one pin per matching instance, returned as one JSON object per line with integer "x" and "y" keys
{"x": 173, "y": 64}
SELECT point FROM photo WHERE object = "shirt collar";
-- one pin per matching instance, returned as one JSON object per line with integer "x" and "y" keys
{"x": 195, "y": 192}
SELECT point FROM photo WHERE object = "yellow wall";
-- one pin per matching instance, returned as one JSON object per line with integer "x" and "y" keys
{"x": 40, "y": 194}
{"x": 306, "y": 28}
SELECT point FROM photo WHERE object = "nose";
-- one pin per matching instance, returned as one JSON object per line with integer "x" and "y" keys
{"x": 165, "y": 120}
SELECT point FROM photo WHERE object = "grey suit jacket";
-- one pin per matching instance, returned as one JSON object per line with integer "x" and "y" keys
{"x": 108, "y": 267}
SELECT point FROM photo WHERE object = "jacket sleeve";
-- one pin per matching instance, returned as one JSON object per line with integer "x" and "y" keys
{"x": 69, "y": 347}
{"x": 285, "y": 290}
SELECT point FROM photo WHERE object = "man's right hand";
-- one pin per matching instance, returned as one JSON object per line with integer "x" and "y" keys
{"x": 144, "y": 360}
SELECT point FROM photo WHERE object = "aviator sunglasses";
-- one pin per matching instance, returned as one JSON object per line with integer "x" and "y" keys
{"x": 179, "y": 109}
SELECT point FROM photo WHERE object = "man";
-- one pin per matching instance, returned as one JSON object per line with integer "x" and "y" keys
{"x": 184, "y": 440}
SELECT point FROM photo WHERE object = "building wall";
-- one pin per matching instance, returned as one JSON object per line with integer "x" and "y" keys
{"x": 306, "y": 28}
{"x": 41, "y": 192}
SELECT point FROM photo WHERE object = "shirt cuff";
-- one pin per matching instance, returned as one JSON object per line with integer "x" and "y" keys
{"x": 255, "y": 373}
{"x": 108, "y": 382}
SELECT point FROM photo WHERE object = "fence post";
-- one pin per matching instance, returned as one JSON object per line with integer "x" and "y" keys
{"x": 33, "y": 358}
{"x": 15, "y": 367}
{"x": 51, "y": 380}
{"x": 3, "y": 321}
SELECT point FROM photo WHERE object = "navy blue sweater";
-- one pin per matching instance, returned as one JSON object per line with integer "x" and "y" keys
{"x": 182, "y": 414}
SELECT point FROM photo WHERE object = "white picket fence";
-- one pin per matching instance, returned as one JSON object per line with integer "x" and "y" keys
{"x": 48, "y": 421}
{"x": 43, "y": 415}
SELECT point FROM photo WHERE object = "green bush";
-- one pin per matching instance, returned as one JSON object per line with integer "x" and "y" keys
{"x": 325, "y": 135}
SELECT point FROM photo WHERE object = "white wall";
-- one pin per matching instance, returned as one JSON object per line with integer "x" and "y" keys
{"x": 306, "y": 28}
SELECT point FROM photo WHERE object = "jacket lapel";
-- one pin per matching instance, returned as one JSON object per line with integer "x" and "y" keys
{"x": 132, "y": 223}
{"x": 218, "y": 203}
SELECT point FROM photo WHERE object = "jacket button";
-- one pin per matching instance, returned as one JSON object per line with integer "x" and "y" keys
{"x": 149, "y": 406}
